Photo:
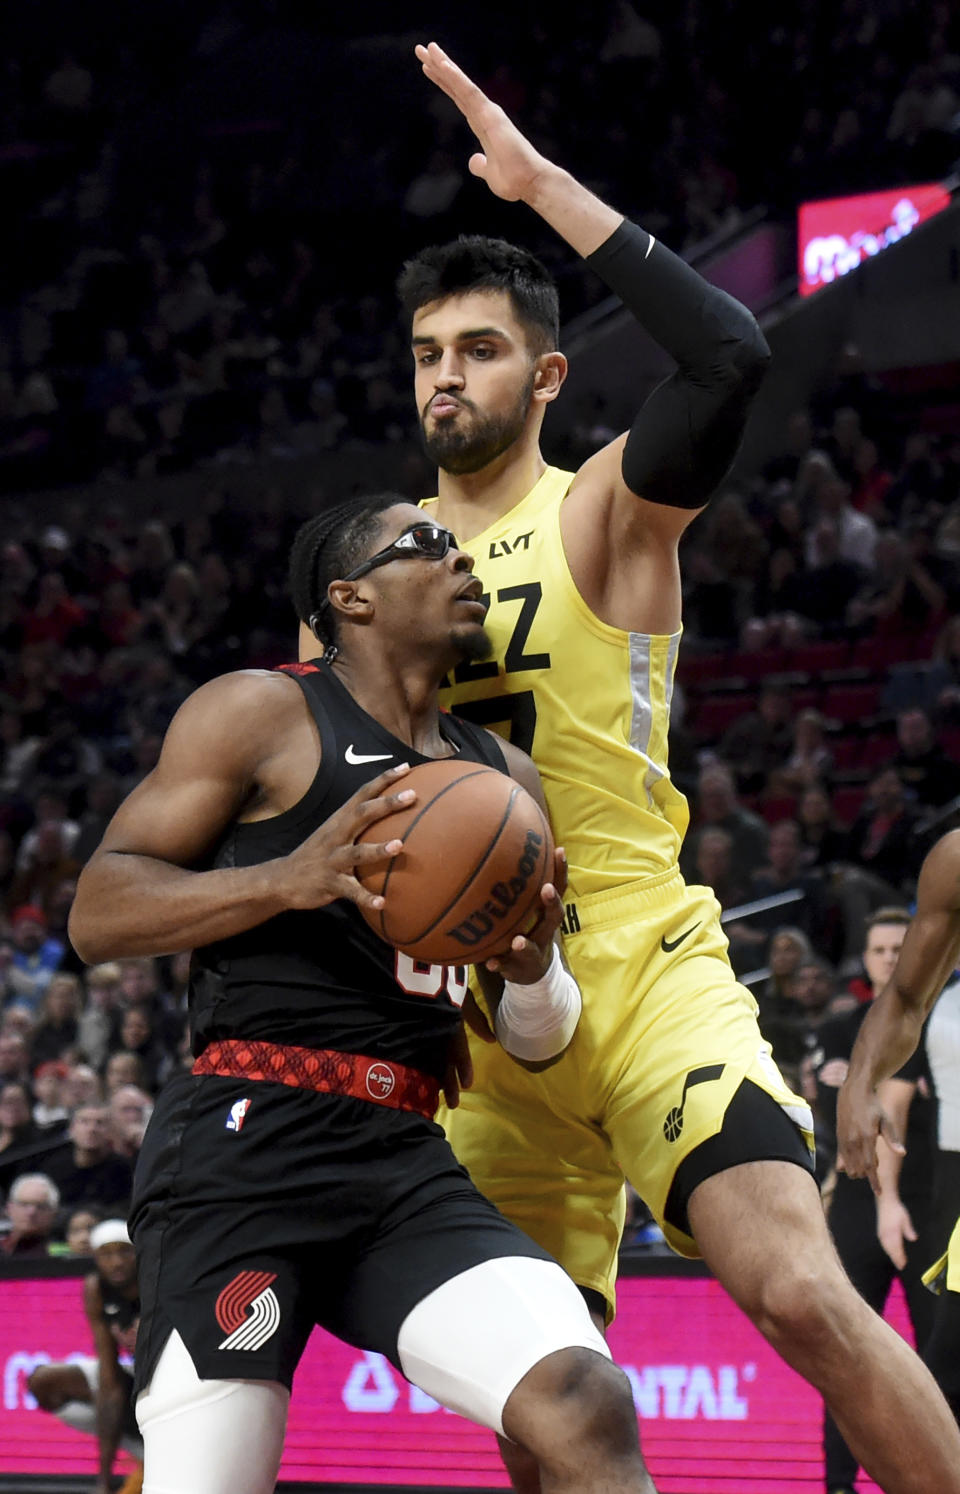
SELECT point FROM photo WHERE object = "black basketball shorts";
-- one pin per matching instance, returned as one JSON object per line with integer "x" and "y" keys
{"x": 261, "y": 1210}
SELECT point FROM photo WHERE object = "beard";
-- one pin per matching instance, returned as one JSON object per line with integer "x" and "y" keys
{"x": 461, "y": 452}
{"x": 472, "y": 643}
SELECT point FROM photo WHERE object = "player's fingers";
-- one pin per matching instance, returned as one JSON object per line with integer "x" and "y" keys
{"x": 560, "y": 870}
{"x": 355, "y": 892}
{"x": 366, "y": 812}
{"x": 477, "y": 165}
{"x": 461, "y": 1057}
{"x": 891, "y": 1135}
{"x": 456, "y": 80}
{"x": 368, "y": 852}
{"x": 475, "y": 1019}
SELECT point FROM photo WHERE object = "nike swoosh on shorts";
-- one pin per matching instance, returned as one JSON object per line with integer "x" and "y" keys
{"x": 669, "y": 945}
{"x": 366, "y": 757}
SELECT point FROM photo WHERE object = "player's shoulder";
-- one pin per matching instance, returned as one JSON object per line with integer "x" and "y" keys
{"x": 238, "y": 708}
{"x": 242, "y": 690}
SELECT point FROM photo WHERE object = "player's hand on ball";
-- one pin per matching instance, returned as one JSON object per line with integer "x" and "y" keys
{"x": 529, "y": 956}
{"x": 507, "y": 162}
{"x": 323, "y": 868}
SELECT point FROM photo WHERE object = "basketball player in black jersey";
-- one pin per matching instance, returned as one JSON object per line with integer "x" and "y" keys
{"x": 295, "y": 1176}
{"x": 96, "y": 1394}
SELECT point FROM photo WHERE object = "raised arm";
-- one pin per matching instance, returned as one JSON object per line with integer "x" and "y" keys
{"x": 892, "y": 1027}
{"x": 244, "y": 744}
{"x": 688, "y": 431}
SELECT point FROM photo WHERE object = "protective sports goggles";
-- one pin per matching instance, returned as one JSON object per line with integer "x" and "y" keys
{"x": 430, "y": 541}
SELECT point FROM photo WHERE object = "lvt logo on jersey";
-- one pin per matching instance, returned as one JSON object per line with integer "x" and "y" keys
{"x": 237, "y": 1116}
{"x": 248, "y": 1311}
{"x": 507, "y": 547}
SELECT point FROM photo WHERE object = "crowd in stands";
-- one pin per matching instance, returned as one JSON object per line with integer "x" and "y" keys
{"x": 245, "y": 310}
{"x": 816, "y": 719}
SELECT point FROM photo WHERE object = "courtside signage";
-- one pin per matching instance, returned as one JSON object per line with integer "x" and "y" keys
{"x": 720, "y": 1413}
{"x": 837, "y": 234}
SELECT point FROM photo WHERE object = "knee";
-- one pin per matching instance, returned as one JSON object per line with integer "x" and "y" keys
{"x": 573, "y": 1406}
{"x": 45, "y": 1387}
{"x": 805, "y": 1307}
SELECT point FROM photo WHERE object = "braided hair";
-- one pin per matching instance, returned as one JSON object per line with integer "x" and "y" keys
{"x": 325, "y": 548}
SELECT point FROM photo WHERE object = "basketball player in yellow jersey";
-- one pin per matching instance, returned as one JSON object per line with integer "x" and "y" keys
{"x": 667, "y": 1080}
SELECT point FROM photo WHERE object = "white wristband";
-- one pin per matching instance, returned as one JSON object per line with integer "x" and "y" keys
{"x": 537, "y": 1021}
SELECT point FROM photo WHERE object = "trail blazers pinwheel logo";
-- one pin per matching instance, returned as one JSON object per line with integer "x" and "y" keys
{"x": 248, "y": 1311}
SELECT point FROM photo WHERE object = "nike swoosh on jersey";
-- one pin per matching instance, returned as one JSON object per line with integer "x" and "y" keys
{"x": 366, "y": 757}
{"x": 669, "y": 945}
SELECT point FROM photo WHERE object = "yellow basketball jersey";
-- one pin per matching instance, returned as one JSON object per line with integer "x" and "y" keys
{"x": 589, "y": 702}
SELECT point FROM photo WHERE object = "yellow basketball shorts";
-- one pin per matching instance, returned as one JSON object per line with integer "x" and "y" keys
{"x": 666, "y": 1037}
{"x": 945, "y": 1273}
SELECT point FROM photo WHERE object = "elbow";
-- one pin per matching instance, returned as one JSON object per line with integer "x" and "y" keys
{"x": 750, "y": 357}
{"x": 87, "y": 939}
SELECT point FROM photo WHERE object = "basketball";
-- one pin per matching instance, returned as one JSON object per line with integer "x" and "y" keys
{"x": 476, "y": 851}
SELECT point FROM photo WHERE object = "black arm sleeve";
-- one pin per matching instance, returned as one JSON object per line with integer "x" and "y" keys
{"x": 687, "y": 432}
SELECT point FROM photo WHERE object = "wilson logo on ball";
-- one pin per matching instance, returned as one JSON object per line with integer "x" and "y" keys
{"x": 504, "y": 897}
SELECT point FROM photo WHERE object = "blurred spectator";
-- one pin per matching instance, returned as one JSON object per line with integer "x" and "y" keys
{"x": 823, "y": 838}
{"x": 14, "y": 1057}
{"x": 830, "y": 582}
{"x": 123, "y": 1068}
{"x": 17, "y": 751}
{"x": 829, "y": 497}
{"x": 871, "y": 481}
{"x": 923, "y": 766}
{"x": 130, "y": 1110}
{"x": 85, "y": 1167}
{"x": 138, "y": 1036}
{"x": 786, "y": 871}
{"x": 31, "y": 1209}
{"x": 883, "y": 837}
{"x": 48, "y": 1087}
{"x": 82, "y": 1086}
{"x": 56, "y": 1033}
{"x": 47, "y": 863}
{"x": 36, "y": 956}
{"x": 944, "y": 682}
{"x": 22, "y": 1142}
{"x": 789, "y": 946}
{"x": 757, "y": 742}
{"x": 80, "y": 1222}
{"x": 100, "y": 1013}
{"x": 899, "y": 593}
{"x": 718, "y": 807}
{"x": 810, "y": 761}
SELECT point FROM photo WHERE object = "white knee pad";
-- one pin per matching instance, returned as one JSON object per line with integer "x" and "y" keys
{"x": 209, "y": 1436}
{"x": 472, "y": 1340}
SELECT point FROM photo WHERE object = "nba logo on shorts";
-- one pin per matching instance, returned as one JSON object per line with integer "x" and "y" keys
{"x": 238, "y": 1114}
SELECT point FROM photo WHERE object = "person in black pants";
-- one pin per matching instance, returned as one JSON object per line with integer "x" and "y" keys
{"x": 853, "y": 1214}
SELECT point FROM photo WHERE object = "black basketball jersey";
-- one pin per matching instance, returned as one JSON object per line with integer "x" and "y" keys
{"x": 321, "y": 978}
